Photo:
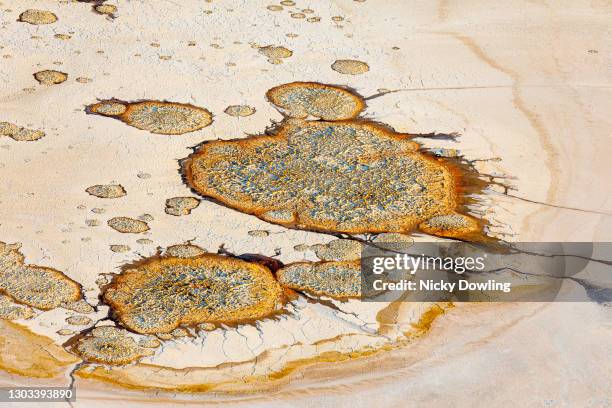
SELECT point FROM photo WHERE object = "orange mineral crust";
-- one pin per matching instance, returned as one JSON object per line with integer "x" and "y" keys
{"x": 161, "y": 117}
{"x": 157, "y": 295}
{"x": 29, "y": 354}
{"x": 303, "y": 99}
{"x": 110, "y": 345}
{"x": 32, "y": 285}
{"x": 347, "y": 176}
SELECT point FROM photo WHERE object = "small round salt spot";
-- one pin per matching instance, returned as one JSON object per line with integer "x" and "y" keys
{"x": 119, "y": 248}
{"x": 239, "y": 110}
{"x": 78, "y": 320}
{"x": 37, "y": 17}
{"x": 350, "y": 67}
{"x": 259, "y": 233}
{"x": 50, "y": 77}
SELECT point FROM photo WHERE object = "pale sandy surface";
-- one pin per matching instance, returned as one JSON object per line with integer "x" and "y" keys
{"x": 526, "y": 82}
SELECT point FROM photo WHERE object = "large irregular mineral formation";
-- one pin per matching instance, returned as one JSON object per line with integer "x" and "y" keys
{"x": 157, "y": 294}
{"x": 339, "y": 174}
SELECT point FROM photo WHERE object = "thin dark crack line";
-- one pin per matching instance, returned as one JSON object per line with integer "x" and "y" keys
{"x": 454, "y": 88}
{"x": 582, "y": 282}
{"x": 449, "y": 88}
{"x": 586, "y": 258}
{"x": 73, "y": 379}
{"x": 509, "y": 268}
{"x": 557, "y": 205}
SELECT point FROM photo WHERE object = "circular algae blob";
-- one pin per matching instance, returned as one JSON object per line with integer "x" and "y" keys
{"x": 106, "y": 190}
{"x": 303, "y": 99}
{"x": 37, "y": 17}
{"x": 350, "y": 67}
{"x": 239, "y": 110}
{"x": 158, "y": 295}
{"x": 50, "y": 77}
{"x": 128, "y": 225}
{"x": 259, "y": 233}
{"x": 107, "y": 9}
{"x": 111, "y": 345}
{"x": 178, "y": 206}
{"x": 272, "y": 51}
{"x": 119, "y": 248}
{"x": 184, "y": 251}
{"x": 78, "y": 320}
{"x": 339, "y": 280}
{"x": 166, "y": 118}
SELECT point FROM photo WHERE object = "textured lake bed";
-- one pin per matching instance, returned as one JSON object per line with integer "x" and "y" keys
{"x": 158, "y": 147}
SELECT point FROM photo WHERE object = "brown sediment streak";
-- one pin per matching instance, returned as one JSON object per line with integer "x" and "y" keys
{"x": 29, "y": 354}
{"x": 533, "y": 118}
{"x": 426, "y": 320}
{"x": 388, "y": 316}
{"x": 442, "y": 10}
{"x": 340, "y": 337}
{"x": 137, "y": 376}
